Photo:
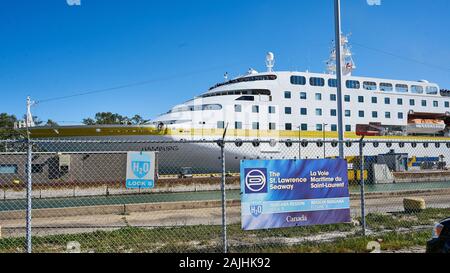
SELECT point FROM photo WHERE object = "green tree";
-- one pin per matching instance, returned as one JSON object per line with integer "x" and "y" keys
{"x": 137, "y": 120}
{"x": 89, "y": 121}
{"x": 37, "y": 121}
{"x": 106, "y": 118}
{"x": 51, "y": 123}
{"x": 7, "y": 126}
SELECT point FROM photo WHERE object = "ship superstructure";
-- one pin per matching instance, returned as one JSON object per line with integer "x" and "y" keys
{"x": 283, "y": 105}
{"x": 274, "y": 104}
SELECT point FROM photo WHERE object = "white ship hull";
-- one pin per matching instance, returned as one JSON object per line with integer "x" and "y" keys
{"x": 204, "y": 157}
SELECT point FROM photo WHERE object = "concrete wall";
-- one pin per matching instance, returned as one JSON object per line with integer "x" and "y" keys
{"x": 84, "y": 168}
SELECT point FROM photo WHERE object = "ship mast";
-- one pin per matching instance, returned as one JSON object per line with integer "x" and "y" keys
{"x": 347, "y": 63}
{"x": 29, "y": 121}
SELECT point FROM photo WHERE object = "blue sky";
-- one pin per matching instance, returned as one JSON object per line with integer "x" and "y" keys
{"x": 50, "y": 49}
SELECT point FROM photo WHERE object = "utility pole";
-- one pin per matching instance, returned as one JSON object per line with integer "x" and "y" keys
{"x": 338, "y": 44}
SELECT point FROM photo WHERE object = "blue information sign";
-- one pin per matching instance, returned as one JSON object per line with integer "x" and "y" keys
{"x": 140, "y": 170}
{"x": 288, "y": 193}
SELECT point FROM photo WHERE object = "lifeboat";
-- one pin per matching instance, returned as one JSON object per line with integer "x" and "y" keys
{"x": 426, "y": 126}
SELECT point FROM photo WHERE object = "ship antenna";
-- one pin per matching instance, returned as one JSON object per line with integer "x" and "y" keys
{"x": 331, "y": 62}
{"x": 270, "y": 61}
{"x": 347, "y": 63}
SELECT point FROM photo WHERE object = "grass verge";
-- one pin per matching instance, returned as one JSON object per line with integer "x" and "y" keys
{"x": 207, "y": 238}
{"x": 391, "y": 241}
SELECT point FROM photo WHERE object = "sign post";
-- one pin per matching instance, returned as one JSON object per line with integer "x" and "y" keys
{"x": 290, "y": 193}
{"x": 140, "y": 170}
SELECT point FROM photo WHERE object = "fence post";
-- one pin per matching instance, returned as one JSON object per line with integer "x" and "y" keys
{"x": 224, "y": 198}
{"x": 29, "y": 195}
{"x": 361, "y": 182}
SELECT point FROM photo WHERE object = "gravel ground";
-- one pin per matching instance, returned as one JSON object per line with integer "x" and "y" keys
{"x": 416, "y": 249}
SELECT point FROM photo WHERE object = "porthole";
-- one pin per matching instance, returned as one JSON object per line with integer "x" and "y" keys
{"x": 425, "y": 144}
{"x": 376, "y": 144}
{"x": 288, "y": 143}
{"x": 401, "y": 144}
{"x": 437, "y": 145}
{"x": 389, "y": 144}
{"x": 255, "y": 143}
{"x": 304, "y": 143}
{"x": 238, "y": 142}
{"x": 319, "y": 144}
{"x": 221, "y": 143}
{"x": 414, "y": 144}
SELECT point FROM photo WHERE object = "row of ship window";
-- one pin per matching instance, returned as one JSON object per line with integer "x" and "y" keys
{"x": 318, "y": 111}
{"x": 287, "y": 126}
{"x": 303, "y": 96}
{"x": 255, "y": 108}
{"x": 347, "y": 98}
{"x": 367, "y": 85}
{"x": 350, "y": 84}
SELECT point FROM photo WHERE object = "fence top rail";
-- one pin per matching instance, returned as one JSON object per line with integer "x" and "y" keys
{"x": 215, "y": 141}
{"x": 337, "y": 141}
{"x": 113, "y": 141}
{"x": 13, "y": 141}
{"x": 68, "y": 153}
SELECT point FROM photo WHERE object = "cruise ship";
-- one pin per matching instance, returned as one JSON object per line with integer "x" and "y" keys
{"x": 287, "y": 105}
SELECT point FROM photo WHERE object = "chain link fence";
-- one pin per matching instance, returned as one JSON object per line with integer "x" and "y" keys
{"x": 80, "y": 202}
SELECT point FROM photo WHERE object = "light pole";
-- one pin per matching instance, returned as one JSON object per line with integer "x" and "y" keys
{"x": 337, "y": 17}
{"x": 324, "y": 147}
